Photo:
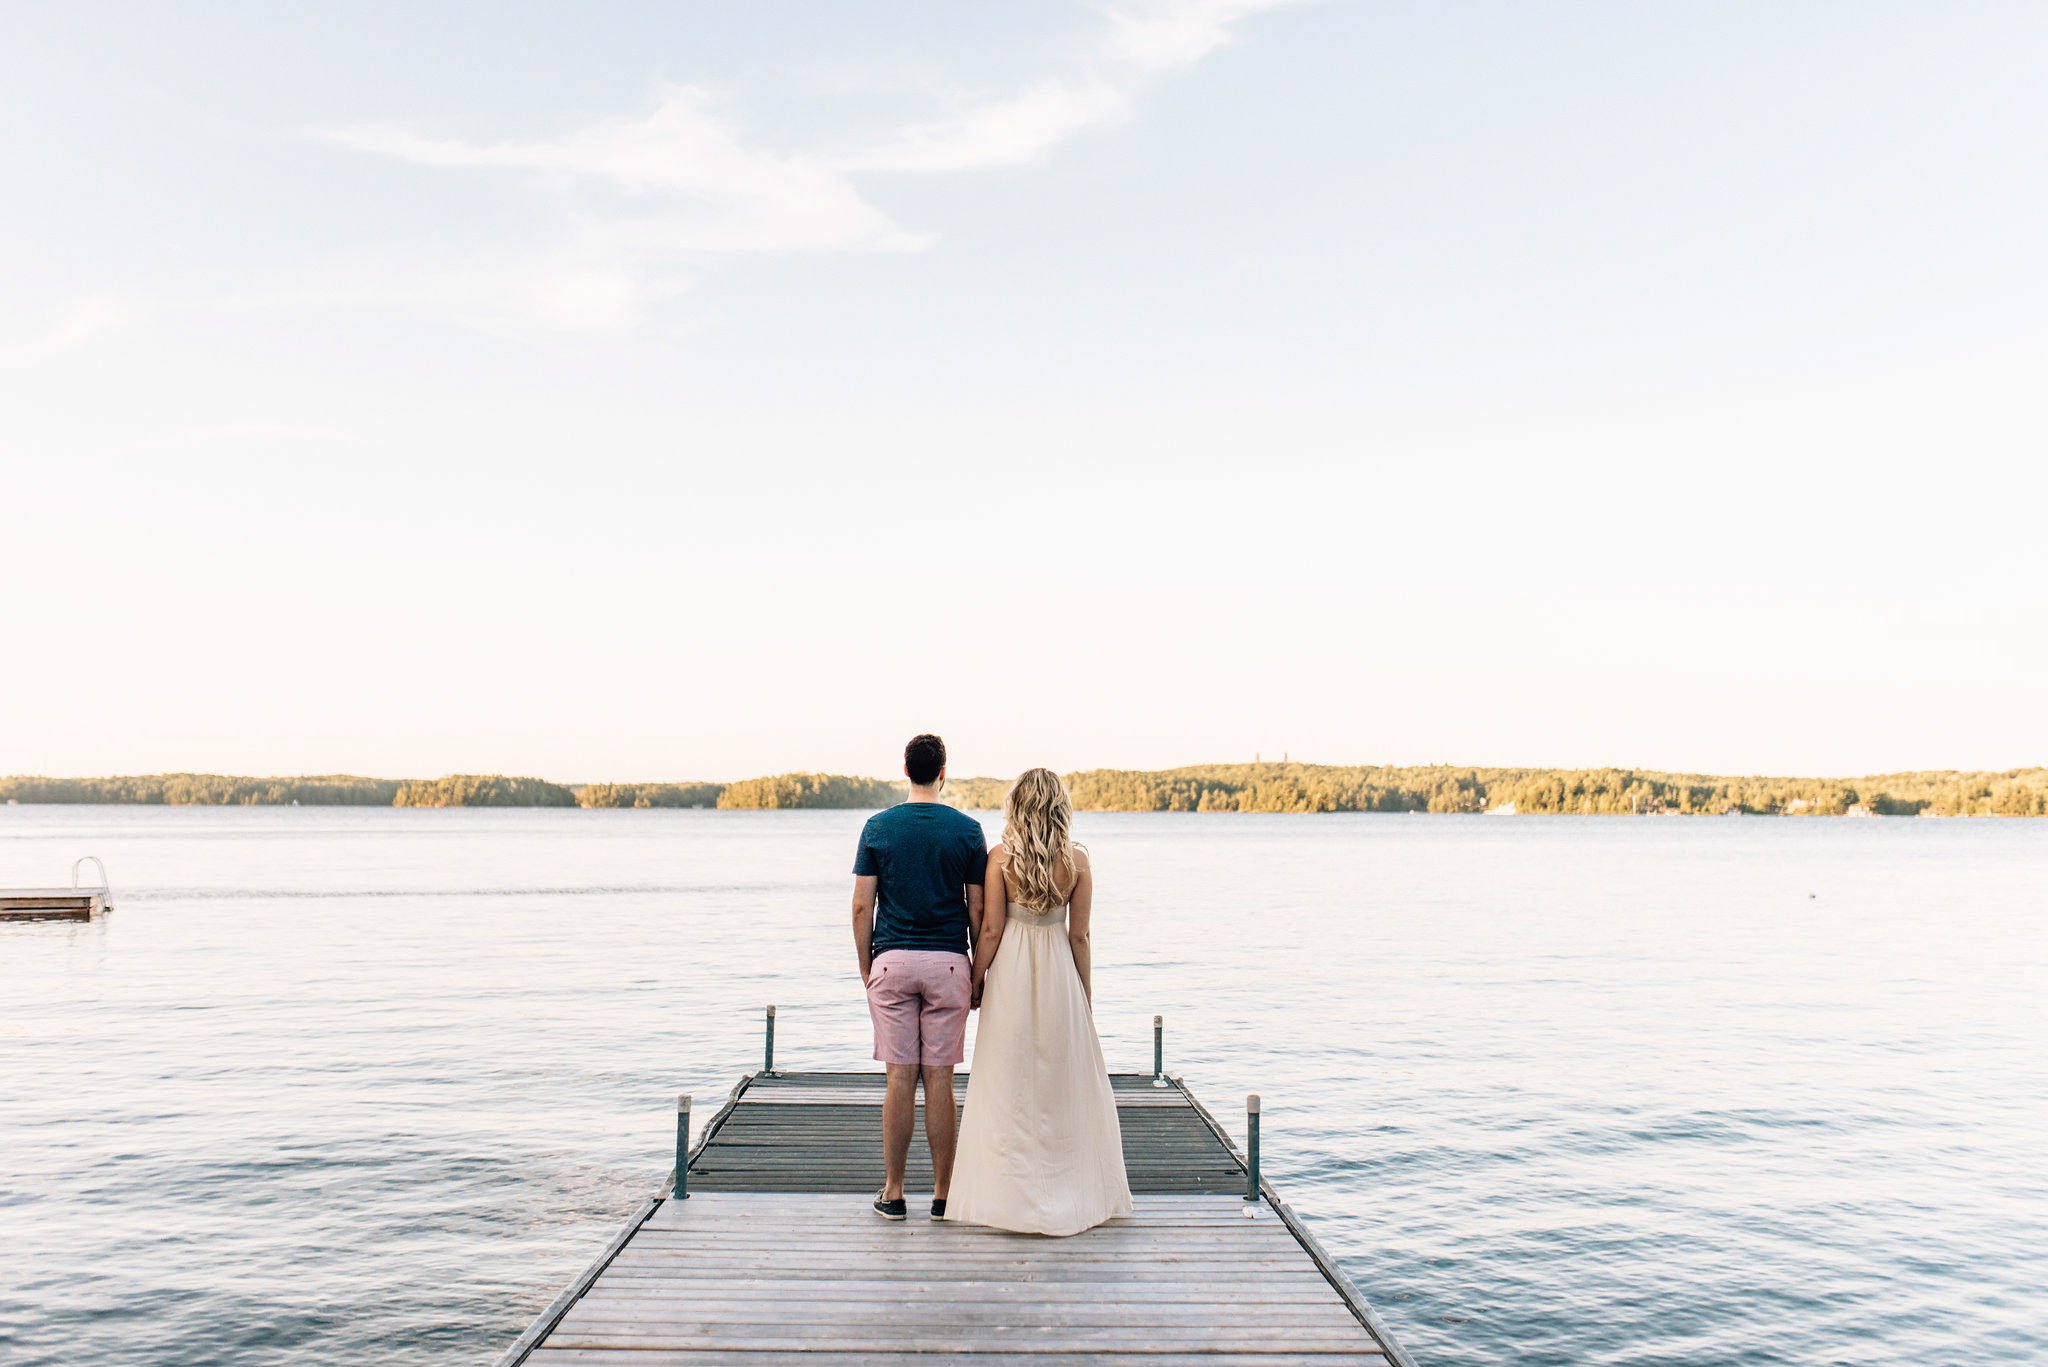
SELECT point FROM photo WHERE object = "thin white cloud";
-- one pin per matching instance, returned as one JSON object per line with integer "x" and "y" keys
{"x": 1165, "y": 34}
{"x": 1000, "y": 132}
{"x": 1144, "y": 42}
{"x": 77, "y": 325}
{"x": 716, "y": 193}
{"x": 657, "y": 193}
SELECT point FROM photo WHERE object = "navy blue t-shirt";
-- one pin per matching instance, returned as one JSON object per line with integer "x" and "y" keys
{"x": 923, "y": 855}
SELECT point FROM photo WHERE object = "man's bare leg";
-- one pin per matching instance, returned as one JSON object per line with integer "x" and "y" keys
{"x": 899, "y": 1118}
{"x": 941, "y": 1125}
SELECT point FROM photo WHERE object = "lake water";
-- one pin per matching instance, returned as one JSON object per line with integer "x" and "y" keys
{"x": 340, "y": 1085}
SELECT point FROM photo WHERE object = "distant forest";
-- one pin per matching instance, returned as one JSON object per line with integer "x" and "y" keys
{"x": 208, "y": 790}
{"x": 457, "y": 790}
{"x": 649, "y": 794}
{"x": 811, "y": 790}
{"x": 1602, "y": 792}
{"x": 483, "y": 790}
{"x": 1202, "y": 788}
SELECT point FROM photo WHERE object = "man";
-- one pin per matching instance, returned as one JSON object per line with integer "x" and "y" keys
{"x": 916, "y": 913}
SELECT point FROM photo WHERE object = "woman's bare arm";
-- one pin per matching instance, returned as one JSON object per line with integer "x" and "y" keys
{"x": 995, "y": 910}
{"x": 1078, "y": 908}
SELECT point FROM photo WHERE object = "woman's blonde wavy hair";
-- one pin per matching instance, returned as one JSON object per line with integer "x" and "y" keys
{"x": 1038, "y": 819}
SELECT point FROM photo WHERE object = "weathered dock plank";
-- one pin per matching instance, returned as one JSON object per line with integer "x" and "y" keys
{"x": 774, "y": 1256}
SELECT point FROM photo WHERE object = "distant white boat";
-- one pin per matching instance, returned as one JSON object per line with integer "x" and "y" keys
{"x": 1505, "y": 809}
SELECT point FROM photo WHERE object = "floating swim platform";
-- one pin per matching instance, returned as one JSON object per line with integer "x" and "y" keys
{"x": 74, "y": 903}
{"x": 769, "y": 1254}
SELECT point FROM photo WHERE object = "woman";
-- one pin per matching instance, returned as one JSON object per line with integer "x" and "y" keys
{"x": 1040, "y": 1151}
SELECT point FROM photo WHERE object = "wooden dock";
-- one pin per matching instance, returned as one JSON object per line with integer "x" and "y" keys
{"x": 51, "y": 904}
{"x": 774, "y": 1256}
{"x": 74, "y": 903}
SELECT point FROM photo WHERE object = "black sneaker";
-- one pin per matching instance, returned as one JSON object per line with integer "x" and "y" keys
{"x": 891, "y": 1210}
{"x": 938, "y": 1207}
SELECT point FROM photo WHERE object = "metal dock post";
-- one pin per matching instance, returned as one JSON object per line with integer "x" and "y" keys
{"x": 1251, "y": 1147}
{"x": 681, "y": 1190}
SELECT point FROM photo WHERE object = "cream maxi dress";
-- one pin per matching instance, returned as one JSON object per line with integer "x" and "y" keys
{"x": 1040, "y": 1151}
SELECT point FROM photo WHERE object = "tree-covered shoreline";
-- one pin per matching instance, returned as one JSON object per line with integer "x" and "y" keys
{"x": 837, "y": 791}
{"x": 206, "y": 790}
{"x": 1561, "y": 792}
{"x": 1289, "y": 787}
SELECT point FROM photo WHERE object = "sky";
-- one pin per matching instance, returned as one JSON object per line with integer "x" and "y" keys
{"x": 689, "y": 390}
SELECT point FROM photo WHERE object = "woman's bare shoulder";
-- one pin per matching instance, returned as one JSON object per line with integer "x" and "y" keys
{"x": 1080, "y": 856}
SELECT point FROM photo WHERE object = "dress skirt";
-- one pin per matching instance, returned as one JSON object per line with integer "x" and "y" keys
{"x": 1040, "y": 1150}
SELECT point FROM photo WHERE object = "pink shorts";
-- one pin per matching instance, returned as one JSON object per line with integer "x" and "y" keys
{"x": 918, "y": 998}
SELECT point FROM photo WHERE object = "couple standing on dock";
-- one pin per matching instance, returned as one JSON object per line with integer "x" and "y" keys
{"x": 943, "y": 925}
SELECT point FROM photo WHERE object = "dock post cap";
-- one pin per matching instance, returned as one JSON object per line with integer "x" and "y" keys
{"x": 771, "y": 1008}
{"x": 1159, "y": 1020}
{"x": 1251, "y": 1103}
{"x": 683, "y": 1102}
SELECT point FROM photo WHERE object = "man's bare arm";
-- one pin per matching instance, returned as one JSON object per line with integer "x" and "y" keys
{"x": 973, "y": 916}
{"x": 864, "y": 922}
